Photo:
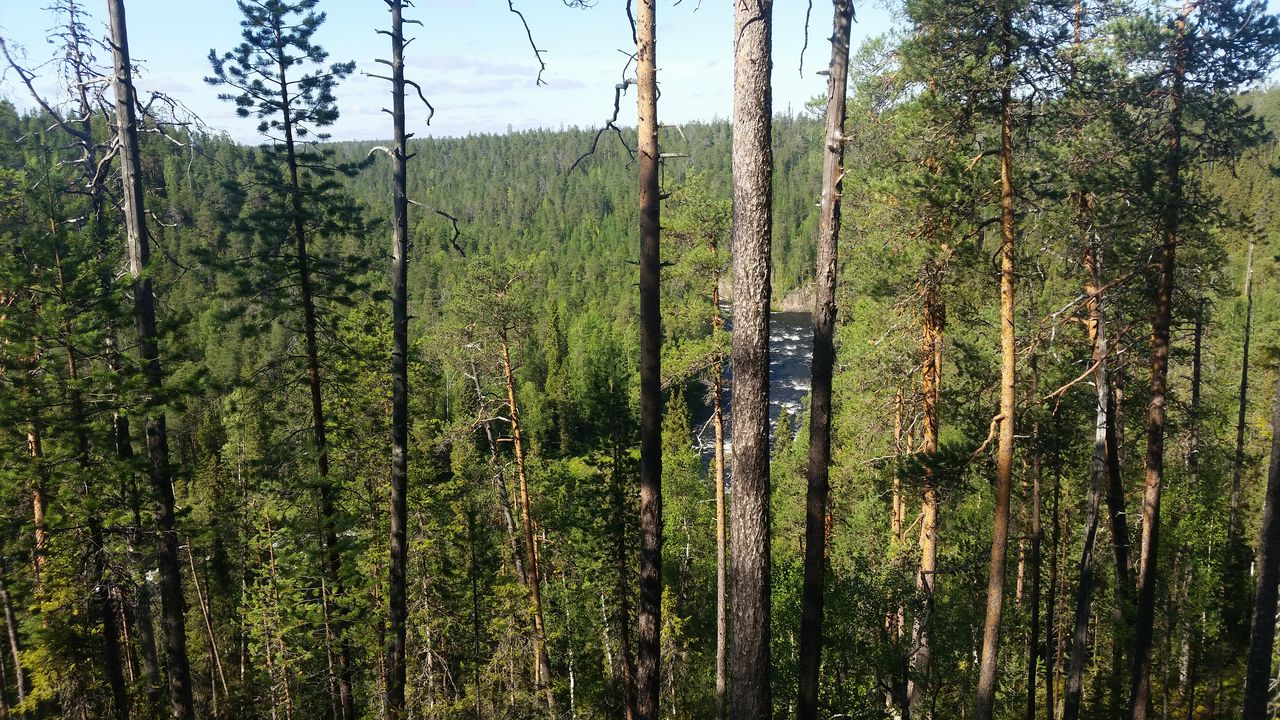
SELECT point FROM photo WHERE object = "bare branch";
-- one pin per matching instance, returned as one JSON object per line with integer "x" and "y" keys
{"x": 991, "y": 434}
{"x": 27, "y": 76}
{"x": 431, "y": 108}
{"x": 537, "y": 53}
{"x": 611, "y": 123}
{"x": 805, "y": 47}
{"x": 457, "y": 232}
{"x": 1062, "y": 390}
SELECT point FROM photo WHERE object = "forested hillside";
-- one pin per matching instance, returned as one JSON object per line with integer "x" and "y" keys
{"x": 375, "y": 450}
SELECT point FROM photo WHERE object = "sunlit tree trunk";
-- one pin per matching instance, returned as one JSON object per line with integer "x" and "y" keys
{"x": 649, "y": 617}
{"x": 542, "y": 662}
{"x": 752, "y": 225}
{"x": 926, "y": 580}
{"x": 989, "y": 661}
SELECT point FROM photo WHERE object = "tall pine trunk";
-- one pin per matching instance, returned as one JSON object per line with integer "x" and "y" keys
{"x": 172, "y": 603}
{"x": 1140, "y": 677}
{"x": 824, "y": 323}
{"x": 1262, "y": 637}
{"x": 988, "y": 665}
{"x": 926, "y": 579}
{"x": 649, "y": 617}
{"x": 752, "y": 223}
{"x": 399, "y": 545}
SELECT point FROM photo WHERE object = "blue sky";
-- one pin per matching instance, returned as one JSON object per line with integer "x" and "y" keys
{"x": 471, "y": 57}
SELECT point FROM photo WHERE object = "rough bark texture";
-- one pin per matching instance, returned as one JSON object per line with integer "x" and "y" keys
{"x": 1097, "y": 480}
{"x": 173, "y": 608}
{"x": 399, "y": 559}
{"x": 1262, "y": 637}
{"x": 824, "y": 323}
{"x": 752, "y": 221}
{"x": 987, "y": 668}
{"x": 1140, "y": 677}
{"x": 649, "y": 618}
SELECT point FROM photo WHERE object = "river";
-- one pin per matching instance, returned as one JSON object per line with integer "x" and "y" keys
{"x": 790, "y": 352}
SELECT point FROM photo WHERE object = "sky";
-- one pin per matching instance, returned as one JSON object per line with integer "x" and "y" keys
{"x": 471, "y": 57}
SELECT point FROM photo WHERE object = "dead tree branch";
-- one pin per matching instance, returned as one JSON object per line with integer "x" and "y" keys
{"x": 537, "y": 53}
{"x": 612, "y": 123}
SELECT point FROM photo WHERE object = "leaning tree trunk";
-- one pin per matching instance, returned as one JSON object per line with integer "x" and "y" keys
{"x": 1140, "y": 677}
{"x": 398, "y": 611}
{"x": 824, "y": 322}
{"x": 1097, "y": 479}
{"x": 15, "y": 641}
{"x": 542, "y": 662}
{"x": 752, "y": 221}
{"x": 987, "y": 669}
{"x": 173, "y": 610}
{"x": 649, "y": 618}
{"x": 1262, "y": 638}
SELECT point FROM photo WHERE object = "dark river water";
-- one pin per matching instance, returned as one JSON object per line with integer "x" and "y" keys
{"x": 790, "y": 349}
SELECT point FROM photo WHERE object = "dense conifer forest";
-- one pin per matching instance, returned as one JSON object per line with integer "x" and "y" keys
{"x": 440, "y": 427}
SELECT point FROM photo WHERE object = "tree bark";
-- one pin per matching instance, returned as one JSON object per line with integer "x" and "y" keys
{"x": 1097, "y": 480}
{"x": 649, "y": 617}
{"x": 173, "y": 607}
{"x": 1140, "y": 677}
{"x": 399, "y": 547}
{"x": 824, "y": 322}
{"x": 988, "y": 665}
{"x": 1262, "y": 637}
{"x": 752, "y": 222}
{"x": 542, "y": 666}
{"x": 926, "y": 580}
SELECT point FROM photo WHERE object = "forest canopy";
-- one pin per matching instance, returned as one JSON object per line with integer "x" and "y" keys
{"x": 488, "y": 426}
